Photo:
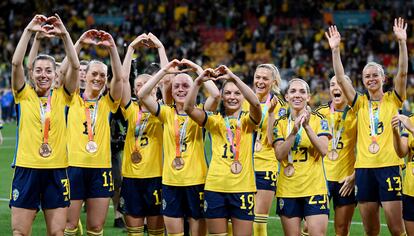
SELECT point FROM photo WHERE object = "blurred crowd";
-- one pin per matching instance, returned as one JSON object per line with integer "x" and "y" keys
{"x": 240, "y": 34}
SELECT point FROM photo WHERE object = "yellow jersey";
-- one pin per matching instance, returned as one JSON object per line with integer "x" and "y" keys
{"x": 100, "y": 112}
{"x": 219, "y": 177}
{"x": 384, "y": 110}
{"x": 308, "y": 178}
{"x": 149, "y": 135}
{"x": 408, "y": 183}
{"x": 30, "y": 127}
{"x": 191, "y": 149}
{"x": 344, "y": 166}
{"x": 264, "y": 156}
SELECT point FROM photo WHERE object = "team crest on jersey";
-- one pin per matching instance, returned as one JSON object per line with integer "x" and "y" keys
{"x": 164, "y": 204}
{"x": 205, "y": 206}
{"x": 281, "y": 204}
{"x": 15, "y": 194}
{"x": 282, "y": 111}
{"x": 324, "y": 125}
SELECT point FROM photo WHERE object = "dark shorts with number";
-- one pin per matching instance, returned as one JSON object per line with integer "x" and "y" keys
{"x": 90, "y": 183}
{"x": 141, "y": 197}
{"x": 336, "y": 197}
{"x": 378, "y": 184}
{"x": 183, "y": 201}
{"x": 303, "y": 206}
{"x": 266, "y": 180}
{"x": 228, "y": 205}
{"x": 39, "y": 188}
{"x": 408, "y": 207}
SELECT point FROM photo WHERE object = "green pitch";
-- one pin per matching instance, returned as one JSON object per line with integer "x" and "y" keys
{"x": 6, "y": 157}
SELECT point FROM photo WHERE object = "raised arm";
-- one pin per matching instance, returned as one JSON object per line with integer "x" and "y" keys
{"x": 214, "y": 94}
{"x": 117, "y": 79}
{"x": 195, "y": 113}
{"x": 126, "y": 67}
{"x": 334, "y": 39}
{"x": 255, "y": 108}
{"x": 271, "y": 120}
{"x": 72, "y": 75}
{"x": 400, "y": 143}
{"x": 320, "y": 143}
{"x": 87, "y": 38}
{"x": 400, "y": 31}
{"x": 154, "y": 42}
{"x": 145, "y": 91}
{"x": 35, "y": 25}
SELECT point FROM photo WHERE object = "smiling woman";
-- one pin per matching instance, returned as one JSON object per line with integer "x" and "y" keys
{"x": 41, "y": 152}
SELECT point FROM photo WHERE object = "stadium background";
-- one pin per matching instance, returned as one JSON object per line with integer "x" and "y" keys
{"x": 240, "y": 34}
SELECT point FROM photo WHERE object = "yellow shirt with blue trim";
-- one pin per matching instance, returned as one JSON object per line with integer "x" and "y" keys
{"x": 308, "y": 178}
{"x": 408, "y": 183}
{"x": 150, "y": 144}
{"x": 388, "y": 108}
{"x": 219, "y": 177}
{"x": 344, "y": 166}
{"x": 78, "y": 131}
{"x": 192, "y": 149}
{"x": 265, "y": 159}
{"x": 30, "y": 128}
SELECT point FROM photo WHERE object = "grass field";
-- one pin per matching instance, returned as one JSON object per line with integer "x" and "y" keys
{"x": 6, "y": 157}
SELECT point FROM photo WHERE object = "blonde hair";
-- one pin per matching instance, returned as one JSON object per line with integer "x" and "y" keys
{"x": 374, "y": 64}
{"x": 299, "y": 80}
{"x": 275, "y": 76}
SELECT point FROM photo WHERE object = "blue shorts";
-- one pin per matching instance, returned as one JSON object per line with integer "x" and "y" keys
{"x": 141, "y": 197}
{"x": 378, "y": 184}
{"x": 39, "y": 188}
{"x": 338, "y": 200}
{"x": 183, "y": 201}
{"x": 303, "y": 206}
{"x": 228, "y": 205}
{"x": 266, "y": 180}
{"x": 90, "y": 183}
{"x": 408, "y": 207}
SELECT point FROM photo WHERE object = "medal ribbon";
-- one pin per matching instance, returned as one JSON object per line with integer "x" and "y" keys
{"x": 235, "y": 146}
{"x": 45, "y": 117}
{"x": 139, "y": 128}
{"x": 90, "y": 121}
{"x": 179, "y": 135}
{"x": 298, "y": 138}
{"x": 341, "y": 127}
{"x": 374, "y": 120}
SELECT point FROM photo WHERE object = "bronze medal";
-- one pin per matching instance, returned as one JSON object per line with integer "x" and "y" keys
{"x": 289, "y": 170}
{"x": 91, "y": 147}
{"x": 373, "y": 148}
{"x": 136, "y": 157}
{"x": 45, "y": 150}
{"x": 236, "y": 167}
{"x": 333, "y": 155}
{"x": 178, "y": 163}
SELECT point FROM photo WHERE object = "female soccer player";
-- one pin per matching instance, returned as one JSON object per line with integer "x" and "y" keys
{"x": 405, "y": 145}
{"x": 142, "y": 158}
{"x": 184, "y": 167}
{"x": 378, "y": 173}
{"x": 230, "y": 185}
{"x": 40, "y": 162}
{"x": 300, "y": 140}
{"x": 89, "y": 141}
{"x": 340, "y": 160}
{"x": 266, "y": 86}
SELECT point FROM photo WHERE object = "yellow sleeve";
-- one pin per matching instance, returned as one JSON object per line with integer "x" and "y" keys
{"x": 397, "y": 99}
{"x": 22, "y": 93}
{"x": 113, "y": 105}
{"x": 211, "y": 121}
{"x": 358, "y": 101}
{"x": 67, "y": 97}
{"x": 163, "y": 112}
{"x": 128, "y": 110}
